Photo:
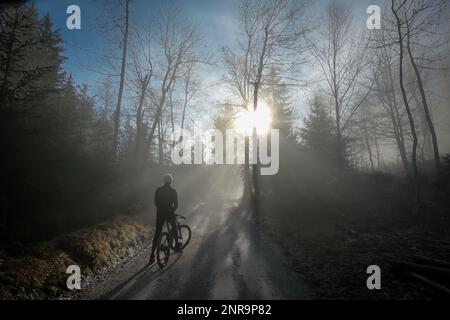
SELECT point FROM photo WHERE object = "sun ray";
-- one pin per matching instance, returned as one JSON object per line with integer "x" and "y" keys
{"x": 260, "y": 119}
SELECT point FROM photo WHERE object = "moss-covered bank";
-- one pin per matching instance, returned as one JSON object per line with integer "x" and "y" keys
{"x": 39, "y": 272}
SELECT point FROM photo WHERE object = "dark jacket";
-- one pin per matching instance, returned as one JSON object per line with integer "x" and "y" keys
{"x": 166, "y": 200}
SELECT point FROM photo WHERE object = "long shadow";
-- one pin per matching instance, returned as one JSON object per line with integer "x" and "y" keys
{"x": 201, "y": 267}
{"x": 201, "y": 279}
{"x": 118, "y": 288}
{"x": 205, "y": 262}
{"x": 143, "y": 277}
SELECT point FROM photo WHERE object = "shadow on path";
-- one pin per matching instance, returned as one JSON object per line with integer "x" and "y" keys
{"x": 141, "y": 279}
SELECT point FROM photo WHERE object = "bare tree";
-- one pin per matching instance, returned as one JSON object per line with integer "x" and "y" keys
{"x": 179, "y": 43}
{"x": 366, "y": 128}
{"x": 271, "y": 33}
{"x": 143, "y": 71}
{"x": 105, "y": 100}
{"x": 341, "y": 56}
{"x": 190, "y": 89}
{"x": 114, "y": 28}
{"x": 400, "y": 41}
{"x": 385, "y": 91}
{"x": 125, "y": 6}
{"x": 419, "y": 21}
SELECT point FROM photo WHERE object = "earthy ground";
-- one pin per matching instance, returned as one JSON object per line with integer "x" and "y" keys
{"x": 360, "y": 227}
{"x": 227, "y": 258}
{"x": 302, "y": 244}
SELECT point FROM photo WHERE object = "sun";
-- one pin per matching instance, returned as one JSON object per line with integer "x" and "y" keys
{"x": 260, "y": 119}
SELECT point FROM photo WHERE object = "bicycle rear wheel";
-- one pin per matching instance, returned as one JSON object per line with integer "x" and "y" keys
{"x": 184, "y": 235}
{"x": 163, "y": 250}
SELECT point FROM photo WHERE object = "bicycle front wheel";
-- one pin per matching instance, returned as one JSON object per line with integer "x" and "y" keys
{"x": 163, "y": 250}
{"x": 184, "y": 235}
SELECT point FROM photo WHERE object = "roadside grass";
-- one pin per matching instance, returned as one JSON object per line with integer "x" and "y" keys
{"x": 39, "y": 272}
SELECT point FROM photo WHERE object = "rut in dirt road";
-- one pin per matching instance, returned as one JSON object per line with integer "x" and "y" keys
{"x": 228, "y": 258}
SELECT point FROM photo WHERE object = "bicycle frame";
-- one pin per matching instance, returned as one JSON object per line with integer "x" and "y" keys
{"x": 169, "y": 227}
{"x": 169, "y": 245}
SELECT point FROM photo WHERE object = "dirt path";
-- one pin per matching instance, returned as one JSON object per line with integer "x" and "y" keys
{"x": 227, "y": 258}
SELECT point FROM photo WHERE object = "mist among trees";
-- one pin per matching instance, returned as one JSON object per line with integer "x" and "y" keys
{"x": 357, "y": 109}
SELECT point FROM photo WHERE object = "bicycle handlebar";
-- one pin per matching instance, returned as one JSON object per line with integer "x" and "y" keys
{"x": 180, "y": 216}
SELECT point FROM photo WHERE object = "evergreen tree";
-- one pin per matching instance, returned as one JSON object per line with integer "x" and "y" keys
{"x": 276, "y": 94}
{"x": 225, "y": 118}
{"x": 317, "y": 135}
{"x": 49, "y": 129}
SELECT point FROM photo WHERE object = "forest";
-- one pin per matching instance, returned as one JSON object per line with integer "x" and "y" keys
{"x": 363, "y": 118}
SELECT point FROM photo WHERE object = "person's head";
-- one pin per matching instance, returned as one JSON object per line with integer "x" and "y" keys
{"x": 167, "y": 178}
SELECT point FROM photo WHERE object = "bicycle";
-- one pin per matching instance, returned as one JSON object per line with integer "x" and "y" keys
{"x": 166, "y": 242}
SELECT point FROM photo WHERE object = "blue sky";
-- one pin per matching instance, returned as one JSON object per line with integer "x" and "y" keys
{"x": 217, "y": 21}
{"x": 213, "y": 16}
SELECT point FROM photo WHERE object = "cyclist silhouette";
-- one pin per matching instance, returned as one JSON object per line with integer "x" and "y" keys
{"x": 166, "y": 202}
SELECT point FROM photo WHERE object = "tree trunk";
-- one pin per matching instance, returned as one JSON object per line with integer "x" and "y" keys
{"x": 433, "y": 284}
{"x": 432, "y": 262}
{"x": 121, "y": 84}
{"x": 398, "y": 127}
{"x": 185, "y": 103}
{"x": 405, "y": 100}
{"x": 377, "y": 148}
{"x": 339, "y": 153}
{"x": 139, "y": 117}
{"x": 172, "y": 120}
{"x": 167, "y": 85}
{"x": 257, "y": 84}
{"x": 183, "y": 116}
{"x": 4, "y": 210}
{"x": 255, "y": 166}
{"x": 154, "y": 127}
{"x": 439, "y": 272}
{"x": 160, "y": 143}
{"x": 12, "y": 39}
{"x": 437, "y": 157}
{"x": 369, "y": 149}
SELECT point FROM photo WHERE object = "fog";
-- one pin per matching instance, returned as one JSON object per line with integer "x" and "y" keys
{"x": 351, "y": 110}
